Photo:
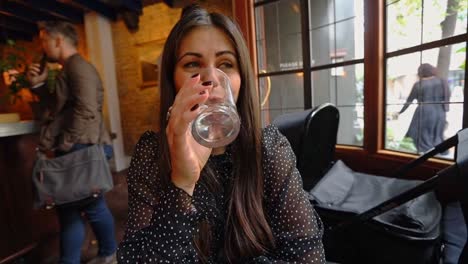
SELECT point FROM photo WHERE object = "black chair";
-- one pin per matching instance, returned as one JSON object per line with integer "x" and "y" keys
{"x": 312, "y": 135}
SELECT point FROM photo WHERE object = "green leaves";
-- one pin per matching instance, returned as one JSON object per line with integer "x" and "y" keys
{"x": 10, "y": 42}
{"x": 462, "y": 50}
{"x": 13, "y": 62}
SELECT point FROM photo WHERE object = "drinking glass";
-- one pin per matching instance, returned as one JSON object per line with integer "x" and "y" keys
{"x": 218, "y": 122}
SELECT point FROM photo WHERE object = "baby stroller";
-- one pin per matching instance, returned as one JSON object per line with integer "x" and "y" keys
{"x": 403, "y": 223}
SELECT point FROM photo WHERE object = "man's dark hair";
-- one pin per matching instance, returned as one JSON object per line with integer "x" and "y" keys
{"x": 60, "y": 27}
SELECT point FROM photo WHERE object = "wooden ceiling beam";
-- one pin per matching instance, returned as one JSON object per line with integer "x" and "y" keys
{"x": 13, "y": 23}
{"x": 57, "y": 9}
{"x": 6, "y": 34}
{"x": 98, "y": 7}
{"x": 23, "y": 12}
{"x": 133, "y": 5}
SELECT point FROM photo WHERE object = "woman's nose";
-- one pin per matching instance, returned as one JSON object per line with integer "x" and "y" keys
{"x": 209, "y": 75}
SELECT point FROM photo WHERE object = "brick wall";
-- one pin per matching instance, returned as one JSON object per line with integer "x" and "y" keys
{"x": 139, "y": 105}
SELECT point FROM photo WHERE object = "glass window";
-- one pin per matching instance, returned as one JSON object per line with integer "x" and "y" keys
{"x": 349, "y": 39}
{"x": 343, "y": 87}
{"x": 442, "y": 21}
{"x": 410, "y": 23}
{"x": 403, "y": 24}
{"x": 322, "y": 13}
{"x": 278, "y": 33}
{"x": 351, "y": 127}
{"x": 322, "y": 42}
{"x": 323, "y": 87}
{"x": 281, "y": 94}
{"x": 423, "y": 61}
{"x": 424, "y": 99}
{"x": 336, "y": 37}
{"x": 346, "y": 9}
{"x": 336, "y": 34}
{"x": 425, "y": 83}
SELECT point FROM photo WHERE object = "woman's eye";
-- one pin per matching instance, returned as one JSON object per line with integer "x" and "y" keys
{"x": 226, "y": 65}
{"x": 191, "y": 64}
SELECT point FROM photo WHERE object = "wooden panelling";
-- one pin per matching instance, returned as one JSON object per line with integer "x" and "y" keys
{"x": 22, "y": 228}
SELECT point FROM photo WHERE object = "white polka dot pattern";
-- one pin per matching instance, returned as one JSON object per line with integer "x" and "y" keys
{"x": 163, "y": 219}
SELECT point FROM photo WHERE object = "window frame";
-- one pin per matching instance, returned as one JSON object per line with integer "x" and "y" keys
{"x": 372, "y": 152}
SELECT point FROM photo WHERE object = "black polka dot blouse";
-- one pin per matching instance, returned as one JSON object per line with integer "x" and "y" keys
{"x": 163, "y": 220}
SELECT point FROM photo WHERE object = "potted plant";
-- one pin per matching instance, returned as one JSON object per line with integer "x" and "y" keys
{"x": 13, "y": 66}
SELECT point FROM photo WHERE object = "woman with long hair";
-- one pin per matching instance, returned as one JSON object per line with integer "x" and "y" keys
{"x": 242, "y": 203}
{"x": 429, "y": 119}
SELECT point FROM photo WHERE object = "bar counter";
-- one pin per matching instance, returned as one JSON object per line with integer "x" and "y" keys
{"x": 23, "y": 230}
{"x": 18, "y": 128}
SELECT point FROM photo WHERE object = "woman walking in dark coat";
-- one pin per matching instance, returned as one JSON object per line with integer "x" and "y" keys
{"x": 428, "y": 122}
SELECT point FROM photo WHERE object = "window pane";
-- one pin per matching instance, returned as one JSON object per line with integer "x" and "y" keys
{"x": 436, "y": 20}
{"x": 350, "y": 84}
{"x": 434, "y": 103}
{"x": 321, "y": 13}
{"x": 350, "y": 102}
{"x": 403, "y": 24}
{"x": 279, "y": 43}
{"x": 450, "y": 61}
{"x": 401, "y": 75}
{"x": 442, "y": 21}
{"x": 351, "y": 127}
{"x": 347, "y": 9}
{"x": 346, "y": 48}
{"x": 323, "y": 87}
{"x": 269, "y": 115}
{"x": 322, "y": 42}
{"x": 343, "y": 87}
{"x": 281, "y": 94}
{"x": 336, "y": 40}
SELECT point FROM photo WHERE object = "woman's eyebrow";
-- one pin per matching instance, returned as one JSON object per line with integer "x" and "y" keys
{"x": 198, "y": 55}
{"x": 220, "y": 53}
{"x": 190, "y": 54}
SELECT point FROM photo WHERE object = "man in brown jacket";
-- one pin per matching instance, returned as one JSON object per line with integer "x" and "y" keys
{"x": 71, "y": 119}
{"x": 74, "y": 109}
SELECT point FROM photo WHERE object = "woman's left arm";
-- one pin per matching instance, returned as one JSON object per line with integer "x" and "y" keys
{"x": 296, "y": 227}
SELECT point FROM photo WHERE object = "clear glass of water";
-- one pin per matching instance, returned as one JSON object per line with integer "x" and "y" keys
{"x": 218, "y": 123}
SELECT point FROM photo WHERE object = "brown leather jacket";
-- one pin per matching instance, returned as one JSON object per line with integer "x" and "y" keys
{"x": 72, "y": 113}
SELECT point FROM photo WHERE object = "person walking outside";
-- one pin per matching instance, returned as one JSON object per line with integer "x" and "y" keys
{"x": 428, "y": 123}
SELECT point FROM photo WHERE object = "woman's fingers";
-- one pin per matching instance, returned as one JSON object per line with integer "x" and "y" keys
{"x": 186, "y": 105}
{"x": 191, "y": 87}
{"x": 190, "y": 156}
{"x": 186, "y": 110}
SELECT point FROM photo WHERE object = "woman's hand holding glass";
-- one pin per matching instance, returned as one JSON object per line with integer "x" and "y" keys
{"x": 187, "y": 156}
{"x": 218, "y": 122}
{"x": 203, "y": 117}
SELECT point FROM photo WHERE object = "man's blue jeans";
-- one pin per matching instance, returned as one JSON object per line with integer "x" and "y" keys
{"x": 72, "y": 225}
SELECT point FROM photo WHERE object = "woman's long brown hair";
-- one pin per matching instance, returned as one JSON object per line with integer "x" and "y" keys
{"x": 247, "y": 230}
